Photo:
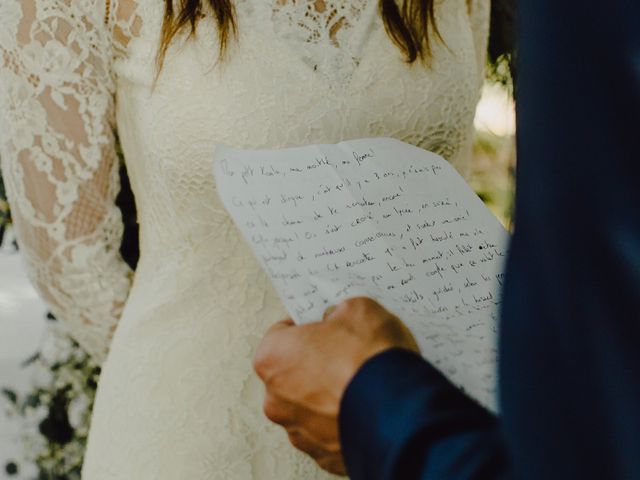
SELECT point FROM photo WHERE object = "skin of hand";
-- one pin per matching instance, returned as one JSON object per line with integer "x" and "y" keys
{"x": 307, "y": 368}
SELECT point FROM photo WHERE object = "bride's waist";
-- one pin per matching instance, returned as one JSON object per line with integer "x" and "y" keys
{"x": 185, "y": 274}
{"x": 192, "y": 267}
{"x": 199, "y": 299}
{"x": 196, "y": 288}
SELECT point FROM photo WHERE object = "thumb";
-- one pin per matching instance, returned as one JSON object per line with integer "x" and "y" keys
{"x": 328, "y": 313}
{"x": 281, "y": 325}
{"x": 268, "y": 347}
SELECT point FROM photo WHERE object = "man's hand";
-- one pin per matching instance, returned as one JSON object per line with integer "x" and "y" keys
{"x": 307, "y": 368}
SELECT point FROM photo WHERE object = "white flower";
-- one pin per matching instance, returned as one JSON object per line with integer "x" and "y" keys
{"x": 56, "y": 232}
{"x": 81, "y": 255}
{"x": 66, "y": 193}
{"x": 40, "y": 375}
{"x": 10, "y": 15}
{"x": 41, "y": 160}
{"x": 54, "y": 63}
{"x": 51, "y": 352}
{"x": 51, "y": 145}
{"x": 77, "y": 410}
{"x": 22, "y": 134}
{"x": 28, "y": 115}
{"x": 91, "y": 156}
{"x": 38, "y": 413}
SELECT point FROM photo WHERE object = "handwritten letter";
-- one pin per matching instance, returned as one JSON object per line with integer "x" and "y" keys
{"x": 380, "y": 218}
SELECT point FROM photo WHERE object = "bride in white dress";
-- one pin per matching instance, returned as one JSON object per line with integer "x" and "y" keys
{"x": 177, "y": 398}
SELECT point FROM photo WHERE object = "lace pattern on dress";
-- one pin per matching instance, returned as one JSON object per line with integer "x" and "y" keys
{"x": 59, "y": 162}
{"x": 326, "y": 32}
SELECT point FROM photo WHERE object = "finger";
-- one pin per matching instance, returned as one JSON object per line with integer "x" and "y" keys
{"x": 273, "y": 330}
{"x": 279, "y": 411}
{"x": 305, "y": 444}
{"x": 318, "y": 432}
{"x": 281, "y": 325}
{"x": 328, "y": 312}
{"x": 320, "y": 429}
{"x": 270, "y": 350}
{"x": 277, "y": 327}
{"x": 341, "y": 311}
{"x": 333, "y": 464}
{"x": 345, "y": 307}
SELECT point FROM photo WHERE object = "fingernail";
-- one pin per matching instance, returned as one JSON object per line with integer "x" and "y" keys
{"x": 328, "y": 312}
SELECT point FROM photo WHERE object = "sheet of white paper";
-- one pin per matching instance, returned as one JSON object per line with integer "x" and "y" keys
{"x": 380, "y": 218}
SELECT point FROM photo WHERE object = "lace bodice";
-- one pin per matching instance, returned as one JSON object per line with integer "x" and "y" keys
{"x": 63, "y": 61}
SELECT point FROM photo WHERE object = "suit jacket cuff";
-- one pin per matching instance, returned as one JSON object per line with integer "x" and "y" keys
{"x": 397, "y": 403}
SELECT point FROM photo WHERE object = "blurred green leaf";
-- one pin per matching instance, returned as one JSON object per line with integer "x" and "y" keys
{"x": 10, "y": 395}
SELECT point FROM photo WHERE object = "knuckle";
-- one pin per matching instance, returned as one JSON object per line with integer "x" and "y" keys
{"x": 332, "y": 464}
{"x": 348, "y": 304}
{"x": 296, "y": 441}
{"x": 260, "y": 363}
{"x": 271, "y": 410}
{"x": 304, "y": 445}
{"x": 333, "y": 448}
{"x": 360, "y": 303}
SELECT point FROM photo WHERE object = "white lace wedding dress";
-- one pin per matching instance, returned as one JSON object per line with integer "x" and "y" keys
{"x": 177, "y": 398}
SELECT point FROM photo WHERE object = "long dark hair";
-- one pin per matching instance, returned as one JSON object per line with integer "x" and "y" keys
{"x": 502, "y": 40}
{"x": 410, "y": 26}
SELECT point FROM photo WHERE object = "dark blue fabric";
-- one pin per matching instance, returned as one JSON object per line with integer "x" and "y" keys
{"x": 401, "y": 419}
{"x": 570, "y": 330}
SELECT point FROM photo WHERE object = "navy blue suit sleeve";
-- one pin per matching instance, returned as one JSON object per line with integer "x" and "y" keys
{"x": 402, "y": 419}
{"x": 570, "y": 333}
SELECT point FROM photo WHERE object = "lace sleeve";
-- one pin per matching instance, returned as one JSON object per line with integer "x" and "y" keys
{"x": 480, "y": 13}
{"x": 59, "y": 162}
